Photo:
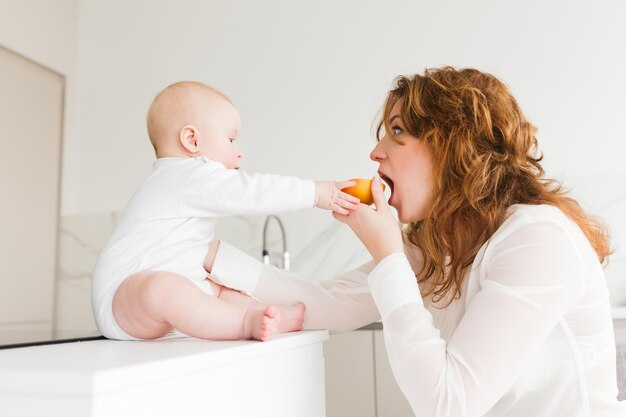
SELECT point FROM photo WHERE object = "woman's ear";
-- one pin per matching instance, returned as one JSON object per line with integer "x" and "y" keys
{"x": 189, "y": 138}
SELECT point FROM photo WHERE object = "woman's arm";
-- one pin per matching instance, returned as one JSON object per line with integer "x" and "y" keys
{"x": 532, "y": 280}
{"x": 532, "y": 277}
{"x": 341, "y": 304}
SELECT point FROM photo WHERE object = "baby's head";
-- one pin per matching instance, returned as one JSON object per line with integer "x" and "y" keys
{"x": 189, "y": 119}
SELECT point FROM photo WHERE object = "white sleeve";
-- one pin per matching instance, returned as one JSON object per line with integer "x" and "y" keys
{"x": 217, "y": 191}
{"x": 341, "y": 304}
{"x": 533, "y": 276}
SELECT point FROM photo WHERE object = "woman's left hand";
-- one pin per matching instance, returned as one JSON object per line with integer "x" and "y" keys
{"x": 376, "y": 228}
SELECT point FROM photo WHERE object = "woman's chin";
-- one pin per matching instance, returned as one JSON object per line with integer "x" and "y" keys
{"x": 405, "y": 217}
{"x": 399, "y": 212}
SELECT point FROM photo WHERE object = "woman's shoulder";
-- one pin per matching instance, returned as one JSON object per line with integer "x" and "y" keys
{"x": 521, "y": 215}
{"x": 534, "y": 241}
{"x": 536, "y": 212}
{"x": 537, "y": 225}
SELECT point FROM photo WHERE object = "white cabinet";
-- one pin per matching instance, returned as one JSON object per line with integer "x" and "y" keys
{"x": 390, "y": 400}
{"x": 350, "y": 387}
{"x": 619, "y": 324}
{"x": 359, "y": 380}
{"x": 360, "y": 383}
{"x": 175, "y": 377}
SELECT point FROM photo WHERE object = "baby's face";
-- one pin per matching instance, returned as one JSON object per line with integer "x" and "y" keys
{"x": 218, "y": 140}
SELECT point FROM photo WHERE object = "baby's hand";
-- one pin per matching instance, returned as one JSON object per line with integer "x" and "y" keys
{"x": 328, "y": 196}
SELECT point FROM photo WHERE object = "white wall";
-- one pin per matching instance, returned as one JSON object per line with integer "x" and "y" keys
{"x": 309, "y": 78}
{"x": 47, "y": 33}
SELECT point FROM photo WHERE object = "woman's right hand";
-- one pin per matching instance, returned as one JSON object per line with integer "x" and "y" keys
{"x": 376, "y": 228}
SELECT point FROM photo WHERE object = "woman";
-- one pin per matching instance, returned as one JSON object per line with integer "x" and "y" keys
{"x": 492, "y": 296}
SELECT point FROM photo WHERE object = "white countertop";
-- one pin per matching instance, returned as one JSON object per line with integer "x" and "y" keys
{"x": 81, "y": 367}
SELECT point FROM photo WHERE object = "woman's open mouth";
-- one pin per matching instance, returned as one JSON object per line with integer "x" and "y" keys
{"x": 389, "y": 182}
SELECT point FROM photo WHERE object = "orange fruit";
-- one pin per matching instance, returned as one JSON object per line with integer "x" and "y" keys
{"x": 362, "y": 190}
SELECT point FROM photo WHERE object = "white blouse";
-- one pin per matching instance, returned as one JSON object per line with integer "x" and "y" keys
{"x": 531, "y": 334}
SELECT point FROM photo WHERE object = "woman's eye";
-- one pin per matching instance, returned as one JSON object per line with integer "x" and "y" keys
{"x": 396, "y": 130}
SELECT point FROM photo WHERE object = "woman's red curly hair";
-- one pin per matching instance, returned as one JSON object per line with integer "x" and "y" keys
{"x": 485, "y": 159}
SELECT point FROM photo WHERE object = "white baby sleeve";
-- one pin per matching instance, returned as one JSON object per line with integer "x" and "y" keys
{"x": 217, "y": 191}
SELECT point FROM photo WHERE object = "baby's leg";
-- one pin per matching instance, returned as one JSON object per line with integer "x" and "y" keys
{"x": 291, "y": 316}
{"x": 149, "y": 304}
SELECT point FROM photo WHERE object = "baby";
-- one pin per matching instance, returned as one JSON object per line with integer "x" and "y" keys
{"x": 150, "y": 277}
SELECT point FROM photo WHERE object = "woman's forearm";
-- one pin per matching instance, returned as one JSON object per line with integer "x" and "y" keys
{"x": 341, "y": 304}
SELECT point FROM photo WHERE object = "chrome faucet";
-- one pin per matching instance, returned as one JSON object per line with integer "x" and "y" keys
{"x": 266, "y": 253}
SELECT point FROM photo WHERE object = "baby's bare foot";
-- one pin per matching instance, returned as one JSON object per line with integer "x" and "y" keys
{"x": 264, "y": 324}
{"x": 292, "y": 318}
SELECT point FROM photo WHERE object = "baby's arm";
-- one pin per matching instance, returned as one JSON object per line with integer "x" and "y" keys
{"x": 217, "y": 191}
{"x": 328, "y": 195}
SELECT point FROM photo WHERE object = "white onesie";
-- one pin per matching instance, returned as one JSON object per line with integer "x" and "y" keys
{"x": 170, "y": 221}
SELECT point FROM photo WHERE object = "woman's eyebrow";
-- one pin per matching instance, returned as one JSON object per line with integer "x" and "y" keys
{"x": 394, "y": 118}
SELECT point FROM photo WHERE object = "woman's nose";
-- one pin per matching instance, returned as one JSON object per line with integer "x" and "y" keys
{"x": 377, "y": 153}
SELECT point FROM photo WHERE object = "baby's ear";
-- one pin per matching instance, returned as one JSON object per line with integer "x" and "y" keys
{"x": 189, "y": 138}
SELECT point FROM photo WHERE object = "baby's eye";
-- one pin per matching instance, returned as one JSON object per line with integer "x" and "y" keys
{"x": 231, "y": 140}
